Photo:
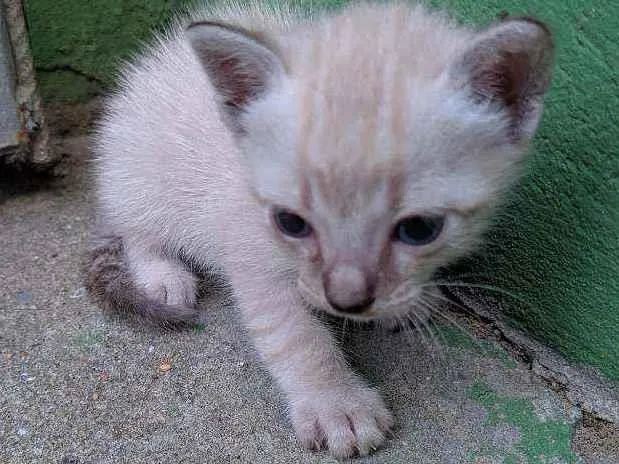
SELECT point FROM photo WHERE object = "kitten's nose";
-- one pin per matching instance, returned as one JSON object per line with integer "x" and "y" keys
{"x": 348, "y": 289}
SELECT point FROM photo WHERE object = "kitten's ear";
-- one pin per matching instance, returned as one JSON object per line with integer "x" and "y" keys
{"x": 240, "y": 65}
{"x": 509, "y": 64}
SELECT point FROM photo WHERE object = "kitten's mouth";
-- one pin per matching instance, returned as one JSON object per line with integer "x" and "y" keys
{"x": 365, "y": 316}
{"x": 396, "y": 307}
{"x": 322, "y": 305}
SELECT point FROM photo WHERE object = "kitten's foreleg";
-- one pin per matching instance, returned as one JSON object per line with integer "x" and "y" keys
{"x": 330, "y": 406}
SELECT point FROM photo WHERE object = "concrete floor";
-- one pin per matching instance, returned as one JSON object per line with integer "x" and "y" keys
{"x": 78, "y": 387}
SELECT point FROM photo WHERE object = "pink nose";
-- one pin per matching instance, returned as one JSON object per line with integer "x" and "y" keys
{"x": 348, "y": 289}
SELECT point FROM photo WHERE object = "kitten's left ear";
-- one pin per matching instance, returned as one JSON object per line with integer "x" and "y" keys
{"x": 240, "y": 64}
{"x": 509, "y": 64}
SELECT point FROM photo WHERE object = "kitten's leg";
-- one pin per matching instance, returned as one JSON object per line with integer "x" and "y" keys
{"x": 329, "y": 405}
{"x": 163, "y": 280}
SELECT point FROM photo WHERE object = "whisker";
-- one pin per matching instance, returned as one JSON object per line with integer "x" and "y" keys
{"x": 431, "y": 311}
{"x": 464, "y": 309}
{"x": 344, "y": 327}
{"x": 429, "y": 338}
{"x": 418, "y": 328}
{"x": 454, "y": 323}
{"x": 410, "y": 326}
{"x": 488, "y": 287}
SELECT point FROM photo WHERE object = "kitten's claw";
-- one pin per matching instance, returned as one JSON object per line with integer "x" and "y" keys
{"x": 350, "y": 421}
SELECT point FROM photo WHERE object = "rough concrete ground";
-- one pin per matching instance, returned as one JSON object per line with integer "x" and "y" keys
{"x": 78, "y": 387}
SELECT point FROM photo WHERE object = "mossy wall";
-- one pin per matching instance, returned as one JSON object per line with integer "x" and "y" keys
{"x": 557, "y": 247}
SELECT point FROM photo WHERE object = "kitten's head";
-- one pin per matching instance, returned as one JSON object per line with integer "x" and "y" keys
{"x": 378, "y": 155}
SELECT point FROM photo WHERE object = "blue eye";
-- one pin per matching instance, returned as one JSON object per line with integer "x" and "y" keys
{"x": 292, "y": 224}
{"x": 419, "y": 230}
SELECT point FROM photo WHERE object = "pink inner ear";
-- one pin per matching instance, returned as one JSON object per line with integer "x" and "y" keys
{"x": 228, "y": 65}
{"x": 508, "y": 78}
{"x": 237, "y": 86}
{"x": 503, "y": 77}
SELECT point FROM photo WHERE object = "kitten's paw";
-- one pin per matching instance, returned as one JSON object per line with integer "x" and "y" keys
{"x": 168, "y": 282}
{"x": 349, "y": 421}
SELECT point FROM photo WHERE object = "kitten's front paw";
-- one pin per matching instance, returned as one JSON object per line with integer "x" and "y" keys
{"x": 349, "y": 421}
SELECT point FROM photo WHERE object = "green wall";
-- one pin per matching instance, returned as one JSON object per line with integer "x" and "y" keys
{"x": 77, "y": 44}
{"x": 557, "y": 247}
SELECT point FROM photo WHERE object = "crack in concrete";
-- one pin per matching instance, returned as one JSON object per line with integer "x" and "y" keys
{"x": 583, "y": 386}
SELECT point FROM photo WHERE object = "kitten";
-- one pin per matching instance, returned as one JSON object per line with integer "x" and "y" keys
{"x": 330, "y": 163}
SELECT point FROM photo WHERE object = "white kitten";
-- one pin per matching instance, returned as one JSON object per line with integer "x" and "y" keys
{"x": 331, "y": 164}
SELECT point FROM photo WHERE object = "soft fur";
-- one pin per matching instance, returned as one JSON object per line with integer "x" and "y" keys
{"x": 353, "y": 121}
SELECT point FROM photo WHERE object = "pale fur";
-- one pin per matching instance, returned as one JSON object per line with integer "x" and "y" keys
{"x": 365, "y": 123}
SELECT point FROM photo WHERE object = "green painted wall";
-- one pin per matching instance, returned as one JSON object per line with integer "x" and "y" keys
{"x": 557, "y": 247}
{"x": 77, "y": 44}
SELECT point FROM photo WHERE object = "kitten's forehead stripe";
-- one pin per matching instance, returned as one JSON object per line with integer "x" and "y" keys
{"x": 386, "y": 106}
{"x": 325, "y": 78}
{"x": 308, "y": 105}
{"x": 352, "y": 107}
{"x": 369, "y": 81}
{"x": 398, "y": 92}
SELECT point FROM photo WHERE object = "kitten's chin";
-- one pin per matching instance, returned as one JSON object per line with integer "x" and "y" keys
{"x": 371, "y": 314}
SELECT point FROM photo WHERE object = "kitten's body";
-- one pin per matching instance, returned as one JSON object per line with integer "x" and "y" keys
{"x": 353, "y": 122}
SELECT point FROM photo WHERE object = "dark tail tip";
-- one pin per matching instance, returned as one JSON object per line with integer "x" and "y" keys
{"x": 110, "y": 283}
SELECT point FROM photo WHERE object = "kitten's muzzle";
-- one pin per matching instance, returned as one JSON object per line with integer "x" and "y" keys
{"x": 349, "y": 289}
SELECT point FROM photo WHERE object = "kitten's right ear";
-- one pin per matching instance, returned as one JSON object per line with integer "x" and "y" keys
{"x": 240, "y": 65}
{"x": 509, "y": 65}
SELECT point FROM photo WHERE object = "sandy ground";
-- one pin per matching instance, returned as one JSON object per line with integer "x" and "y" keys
{"x": 79, "y": 387}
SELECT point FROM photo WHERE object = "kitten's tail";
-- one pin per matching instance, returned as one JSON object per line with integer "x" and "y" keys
{"x": 110, "y": 282}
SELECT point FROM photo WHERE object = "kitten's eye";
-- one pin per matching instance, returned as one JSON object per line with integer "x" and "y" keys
{"x": 419, "y": 230}
{"x": 292, "y": 224}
